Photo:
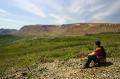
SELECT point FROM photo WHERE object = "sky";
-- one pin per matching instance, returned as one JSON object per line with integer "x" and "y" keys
{"x": 14, "y": 14}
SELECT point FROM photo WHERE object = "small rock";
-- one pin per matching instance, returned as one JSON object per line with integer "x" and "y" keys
{"x": 24, "y": 73}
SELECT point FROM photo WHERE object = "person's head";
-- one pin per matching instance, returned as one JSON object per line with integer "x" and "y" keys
{"x": 97, "y": 43}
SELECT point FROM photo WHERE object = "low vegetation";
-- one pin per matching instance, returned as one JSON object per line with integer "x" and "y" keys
{"x": 18, "y": 51}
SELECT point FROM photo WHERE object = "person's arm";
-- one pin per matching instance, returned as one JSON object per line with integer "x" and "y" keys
{"x": 93, "y": 53}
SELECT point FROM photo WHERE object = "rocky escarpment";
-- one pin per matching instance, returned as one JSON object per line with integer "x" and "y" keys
{"x": 68, "y": 29}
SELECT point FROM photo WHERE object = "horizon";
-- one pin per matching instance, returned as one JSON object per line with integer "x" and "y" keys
{"x": 57, "y": 25}
{"x": 14, "y": 14}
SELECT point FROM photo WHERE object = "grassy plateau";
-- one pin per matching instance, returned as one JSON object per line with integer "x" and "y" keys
{"x": 17, "y": 51}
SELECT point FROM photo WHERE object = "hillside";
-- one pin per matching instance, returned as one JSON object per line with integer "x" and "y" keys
{"x": 68, "y": 29}
{"x": 56, "y": 57}
{"x": 7, "y": 31}
{"x": 71, "y": 69}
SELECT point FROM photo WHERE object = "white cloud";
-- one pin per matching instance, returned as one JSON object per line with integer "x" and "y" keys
{"x": 60, "y": 19}
{"x": 63, "y": 11}
{"x": 55, "y": 5}
{"x": 29, "y": 6}
{"x": 93, "y": 9}
{"x": 4, "y": 12}
{"x": 76, "y": 6}
{"x": 96, "y": 8}
{"x": 82, "y": 6}
{"x": 107, "y": 11}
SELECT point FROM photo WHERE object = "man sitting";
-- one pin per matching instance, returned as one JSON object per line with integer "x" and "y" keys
{"x": 98, "y": 56}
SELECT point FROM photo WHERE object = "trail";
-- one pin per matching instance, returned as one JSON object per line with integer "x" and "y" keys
{"x": 71, "y": 69}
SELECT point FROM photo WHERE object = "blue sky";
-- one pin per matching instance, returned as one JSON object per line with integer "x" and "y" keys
{"x": 16, "y": 13}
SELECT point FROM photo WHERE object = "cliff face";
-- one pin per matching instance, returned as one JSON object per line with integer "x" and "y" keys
{"x": 68, "y": 29}
{"x": 38, "y": 30}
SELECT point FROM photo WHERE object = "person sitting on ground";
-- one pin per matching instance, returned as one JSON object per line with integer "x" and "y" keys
{"x": 98, "y": 56}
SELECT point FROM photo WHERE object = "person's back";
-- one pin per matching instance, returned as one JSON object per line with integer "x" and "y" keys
{"x": 98, "y": 55}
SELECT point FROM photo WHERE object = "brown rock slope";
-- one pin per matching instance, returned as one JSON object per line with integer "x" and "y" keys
{"x": 68, "y": 29}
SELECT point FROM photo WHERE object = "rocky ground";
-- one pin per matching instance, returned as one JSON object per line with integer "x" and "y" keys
{"x": 70, "y": 69}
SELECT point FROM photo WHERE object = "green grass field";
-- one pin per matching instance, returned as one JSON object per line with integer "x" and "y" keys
{"x": 18, "y": 51}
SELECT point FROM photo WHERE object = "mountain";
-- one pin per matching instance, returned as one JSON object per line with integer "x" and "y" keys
{"x": 7, "y": 31}
{"x": 68, "y": 29}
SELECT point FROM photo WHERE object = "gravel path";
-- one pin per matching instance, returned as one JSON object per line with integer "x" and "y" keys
{"x": 71, "y": 69}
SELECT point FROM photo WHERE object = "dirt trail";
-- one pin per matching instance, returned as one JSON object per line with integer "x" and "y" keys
{"x": 71, "y": 69}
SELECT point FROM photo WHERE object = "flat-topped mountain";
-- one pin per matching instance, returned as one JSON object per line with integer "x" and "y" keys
{"x": 68, "y": 29}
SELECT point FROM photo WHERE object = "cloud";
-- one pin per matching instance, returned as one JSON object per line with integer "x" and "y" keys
{"x": 82, "y": 6}
{"x": 4, "y": 12}
{"x": 60, "y": 11}
{"x": 29, "y": 6}
{"x": 53, "y": 5}
{"x": 91, "y": 10}
{"x": 60, "y": 19}
{"x": 107, "y": 11}
{"x": 76, "y": 6}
